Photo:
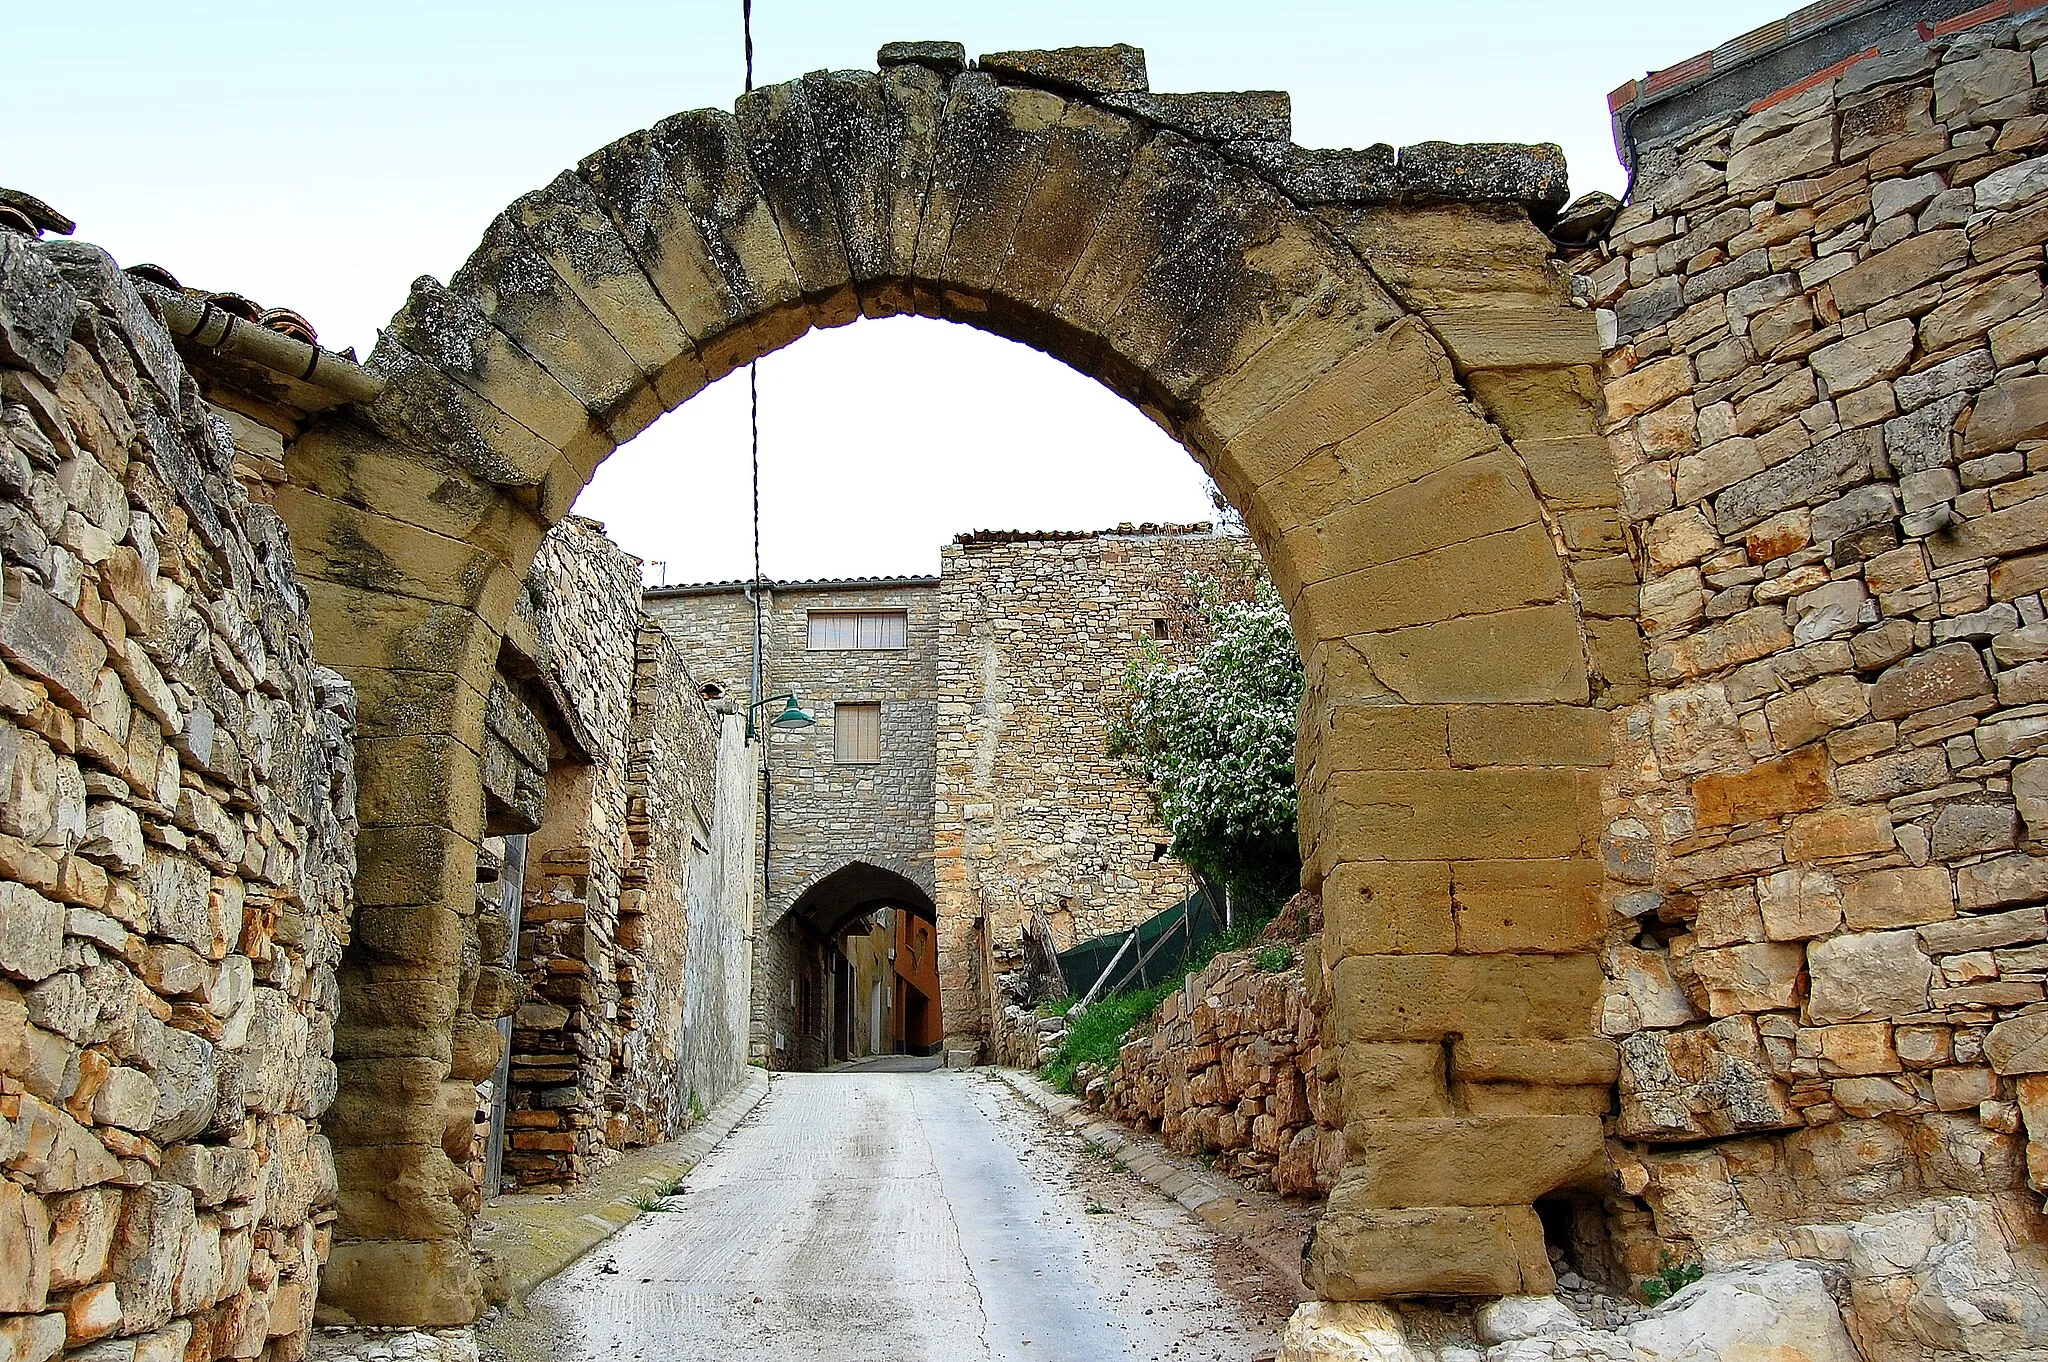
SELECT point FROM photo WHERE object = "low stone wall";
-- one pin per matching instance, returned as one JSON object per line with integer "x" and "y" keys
{"x": 1827, "y": 837}
{"x": 176, "y": 854}
{"x": 1231, "y": 1065}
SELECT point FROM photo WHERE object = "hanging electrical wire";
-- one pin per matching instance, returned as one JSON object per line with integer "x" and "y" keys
{"x": 754, "y": 447}
{"x": 753, "y": 410}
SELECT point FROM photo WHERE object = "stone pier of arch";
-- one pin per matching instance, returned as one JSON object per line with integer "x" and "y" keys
{"x": 1371, "y": 352}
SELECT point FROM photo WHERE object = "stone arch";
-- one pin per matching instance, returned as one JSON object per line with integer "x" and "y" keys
{"x": 815, "y": 947}
{"x": 1375, "y": 357}
{"x": 907, "y": 884}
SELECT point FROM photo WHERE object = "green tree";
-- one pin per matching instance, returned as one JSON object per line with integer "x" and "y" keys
{"x": 1214, "y": 736}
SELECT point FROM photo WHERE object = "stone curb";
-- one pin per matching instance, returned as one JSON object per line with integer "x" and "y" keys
{"x": 1218, "y": 1202}
{"x": 538, "y": 1236}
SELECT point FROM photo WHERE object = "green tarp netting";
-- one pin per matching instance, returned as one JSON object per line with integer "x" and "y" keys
{"x": 1164, "y": 942}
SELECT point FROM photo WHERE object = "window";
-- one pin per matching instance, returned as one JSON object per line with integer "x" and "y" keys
{"x": 857, "y": 732}
{"x": 847, "y": 630}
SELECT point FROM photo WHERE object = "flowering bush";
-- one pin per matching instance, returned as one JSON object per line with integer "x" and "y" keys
{"x": 1214, "y": 736}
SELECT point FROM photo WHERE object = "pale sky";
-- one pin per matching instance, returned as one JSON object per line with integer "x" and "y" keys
{"x": 321, "y": 157}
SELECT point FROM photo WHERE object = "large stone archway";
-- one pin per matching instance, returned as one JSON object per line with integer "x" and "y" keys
{"x": 1373, "y": 355}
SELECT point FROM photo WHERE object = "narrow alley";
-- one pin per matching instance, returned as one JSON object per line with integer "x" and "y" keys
{"x": 883, "y": 1212}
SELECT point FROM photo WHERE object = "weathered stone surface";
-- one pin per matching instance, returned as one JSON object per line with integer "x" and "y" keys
{"x": 2019, "y": 1046}
{"x": 1826, "y": 468}
{"x": 2005, "y": 414}
{"x": 1778, "y": 1310}
{"x": 1485, "y": 172}
{"x": 1695, "y": 1084}
{"x": 1481, "y": 1251}
{"x": 1866, "y": 357}
{"x": 37, "y": 309}
{"x": 1246, "y": 116}
{"x": 1938, "y": 677}
{"x": 1803, "y": 149}
{"x": 1900, "y": 269}
{"x": 1865, "y": 975}
{"x": 1093, "y": 70}
{"x": 946, "y": 57}
{"x": 1787, "y": 785}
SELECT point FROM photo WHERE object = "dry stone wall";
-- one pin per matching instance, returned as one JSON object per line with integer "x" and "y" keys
{"x": 632, "y": 933}
{"x": 1827, "y": 837}
{"x": 1230, "y": 1066}
{"x": 176, "y": 854}
{"x": 583, "y": 600}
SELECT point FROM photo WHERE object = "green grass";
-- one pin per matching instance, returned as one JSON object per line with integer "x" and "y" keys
{"x": 1273, "y": 959}
{"x": 1095, "y": 1036}
{"x": 657, "y": 1198}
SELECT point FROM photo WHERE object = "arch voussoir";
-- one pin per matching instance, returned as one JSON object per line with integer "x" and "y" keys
{"x": 858, "y": 135}
{"x": 573, "y": 233}
{"x": 447, "y": 330}
{"x": 511, "y": 281}
{"x": 991, "y": 156}
{"x": 1086, "y": 158}
{"x": 696, "y": 170}
{"x": 915, "y": 98}
{"x": 787, "y": 161}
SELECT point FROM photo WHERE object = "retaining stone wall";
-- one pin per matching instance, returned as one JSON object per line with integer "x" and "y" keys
{"x": 176, "y": 854}
{"x": 1827, "y": 836}
{"x": 1231, "y": 1065}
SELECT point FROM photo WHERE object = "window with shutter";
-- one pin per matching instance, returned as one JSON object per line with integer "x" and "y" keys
{"x": 858, "y": 630}
{"x": 857, "y": 732}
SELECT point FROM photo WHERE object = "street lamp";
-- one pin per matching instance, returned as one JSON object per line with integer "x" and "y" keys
{"x": 792, "y": 715}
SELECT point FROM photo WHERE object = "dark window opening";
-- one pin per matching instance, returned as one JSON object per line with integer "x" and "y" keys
{"x": 713, "y": 692}
{"x": 1160, "y": 629}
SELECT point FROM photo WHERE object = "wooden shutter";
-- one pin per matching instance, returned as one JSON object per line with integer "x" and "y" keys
{"x": 857, "y": 732}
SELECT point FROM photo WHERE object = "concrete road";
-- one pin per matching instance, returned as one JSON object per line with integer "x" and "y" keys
{"x": 868, "y": 1214}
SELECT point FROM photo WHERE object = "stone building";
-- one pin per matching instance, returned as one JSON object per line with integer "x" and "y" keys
{"x": 612, "y": 865}
{"x": 1824, "y": 324}
{"x": 845, "y": 810}
{"x": 1033, "y": 816}
{"x": 178, "y": 845}
{"x": 998, "y": 673}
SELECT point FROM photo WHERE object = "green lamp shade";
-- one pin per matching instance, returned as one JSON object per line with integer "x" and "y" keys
{"x": 793, "y": 717}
